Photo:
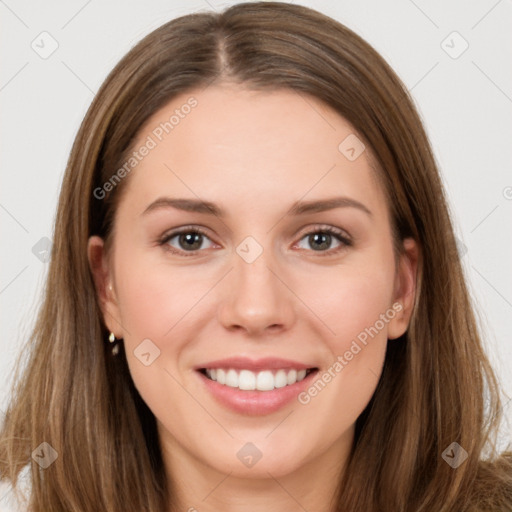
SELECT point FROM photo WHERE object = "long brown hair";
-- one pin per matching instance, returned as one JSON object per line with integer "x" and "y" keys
{"x": 437, "y": 386}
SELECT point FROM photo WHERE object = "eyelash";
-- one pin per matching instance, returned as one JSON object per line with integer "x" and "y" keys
{"x": 336, "y": 233}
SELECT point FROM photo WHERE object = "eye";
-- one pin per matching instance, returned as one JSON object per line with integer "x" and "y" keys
{"x": 321, "y": 239}
{"x": 186, "y": 240}
{"x": 189, "y": 240}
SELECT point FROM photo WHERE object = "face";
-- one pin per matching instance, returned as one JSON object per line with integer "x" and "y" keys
{"x": 285, "y": 281}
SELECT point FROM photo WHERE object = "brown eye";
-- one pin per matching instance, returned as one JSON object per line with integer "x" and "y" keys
{"x": 322, "y": 239}
{"x": 188, "y": 240}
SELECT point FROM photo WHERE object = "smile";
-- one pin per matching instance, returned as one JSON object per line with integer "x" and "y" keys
{"x": 265, "y": 380}
{"x": 255, "y": 387}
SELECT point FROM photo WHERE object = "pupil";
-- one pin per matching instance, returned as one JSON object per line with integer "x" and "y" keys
{"x": 322, "y": 238}
{"x": 189, "y": 239}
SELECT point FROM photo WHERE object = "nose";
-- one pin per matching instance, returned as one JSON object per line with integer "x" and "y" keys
{"x": 257, "y": 298}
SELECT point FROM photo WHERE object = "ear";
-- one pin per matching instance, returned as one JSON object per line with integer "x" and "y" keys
{"x": 405, "y": 289}
{"x": 103, "y": 281}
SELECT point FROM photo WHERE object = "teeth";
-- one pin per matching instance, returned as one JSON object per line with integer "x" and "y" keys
{"x": 221, "y": 375}
{"x": 232, "y": 379}
{"x": 247, "y": 380}
{"x": 281, "y": 378}
{"x": 292, "y": 376}
{"x": 264, "y": 381}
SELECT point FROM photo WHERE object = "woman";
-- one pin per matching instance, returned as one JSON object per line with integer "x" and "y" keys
{"x": 254, "y": 298}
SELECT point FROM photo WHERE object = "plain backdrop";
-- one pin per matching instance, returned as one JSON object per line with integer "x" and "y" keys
{"x": 455, "y": 57}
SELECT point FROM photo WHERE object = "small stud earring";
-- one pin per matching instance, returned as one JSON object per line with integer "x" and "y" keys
{"x": 112, "y": 339}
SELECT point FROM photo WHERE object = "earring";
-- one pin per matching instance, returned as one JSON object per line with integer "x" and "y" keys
{"x": 112, "y": 339}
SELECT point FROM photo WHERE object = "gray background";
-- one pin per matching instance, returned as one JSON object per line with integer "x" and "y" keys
{"x": 464, "y": 97}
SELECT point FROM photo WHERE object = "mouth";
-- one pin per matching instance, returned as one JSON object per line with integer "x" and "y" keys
{"x": 263, "y": 380}
{"x": 255, "y": 388}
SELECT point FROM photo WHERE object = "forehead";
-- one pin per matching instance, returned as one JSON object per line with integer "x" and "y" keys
{"x": 243, "y": 147}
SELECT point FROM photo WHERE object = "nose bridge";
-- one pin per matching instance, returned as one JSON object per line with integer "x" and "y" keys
{"x": 256, "y": 298}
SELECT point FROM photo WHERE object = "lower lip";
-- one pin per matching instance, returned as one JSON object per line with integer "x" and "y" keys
{"x": 255, "y": 403}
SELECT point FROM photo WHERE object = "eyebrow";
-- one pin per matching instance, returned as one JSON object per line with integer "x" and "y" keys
{"x": 298, "y": 208}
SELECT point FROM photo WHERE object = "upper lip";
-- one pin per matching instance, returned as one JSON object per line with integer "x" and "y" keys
{"x": 245, "y": 363}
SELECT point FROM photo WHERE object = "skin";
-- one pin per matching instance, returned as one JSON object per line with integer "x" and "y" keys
{"x": 254, "y": 154}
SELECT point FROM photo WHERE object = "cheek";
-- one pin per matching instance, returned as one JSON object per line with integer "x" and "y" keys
{"x": 159, "y": 303}
{"x": 155, "y": 297}
{"x": 349, "y": 300}
{"x": 357, "y": 310}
